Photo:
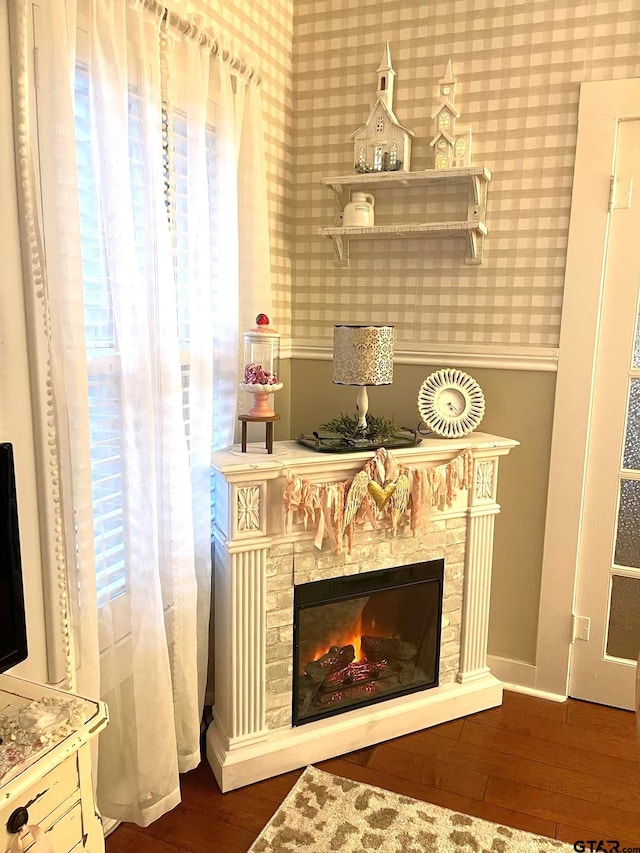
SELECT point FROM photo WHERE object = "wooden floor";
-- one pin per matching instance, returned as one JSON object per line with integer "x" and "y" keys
{"x": 570, "y": 771}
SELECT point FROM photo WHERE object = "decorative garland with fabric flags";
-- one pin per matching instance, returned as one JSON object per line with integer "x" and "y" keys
{"x": 383, "y": 489}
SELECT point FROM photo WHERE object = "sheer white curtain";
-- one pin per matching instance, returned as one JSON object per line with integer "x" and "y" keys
{"x": 146, "y": 146}
{"x": 150, "y": 650}
{"x": 255, "y": 263}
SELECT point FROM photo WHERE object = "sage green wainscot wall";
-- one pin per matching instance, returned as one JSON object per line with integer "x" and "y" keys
{"x": 519, "y": 404}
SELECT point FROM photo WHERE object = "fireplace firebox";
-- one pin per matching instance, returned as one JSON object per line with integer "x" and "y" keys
{"x": 365, "y": 638}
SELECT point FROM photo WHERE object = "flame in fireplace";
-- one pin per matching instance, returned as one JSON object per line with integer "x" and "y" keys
{"x": 351, "y": 637}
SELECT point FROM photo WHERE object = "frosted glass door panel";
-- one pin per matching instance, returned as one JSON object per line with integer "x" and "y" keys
{"x": 631, "y": 455}
{"x": 624, "y": 622}
{"x": 627, "y": 552}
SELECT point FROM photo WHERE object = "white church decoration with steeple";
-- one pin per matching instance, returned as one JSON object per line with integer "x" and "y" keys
{"x": 451, "y": 142}
{"x": 382, "y": 144}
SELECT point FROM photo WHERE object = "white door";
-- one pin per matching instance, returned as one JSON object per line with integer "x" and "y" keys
{"x": 607, "y": 601}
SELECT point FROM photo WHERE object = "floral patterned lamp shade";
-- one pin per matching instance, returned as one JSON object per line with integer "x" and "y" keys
{"x": 362, "y": 356}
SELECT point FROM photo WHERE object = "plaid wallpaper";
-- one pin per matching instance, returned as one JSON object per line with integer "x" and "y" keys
{"x": 519, "y": 64}
{"x": 262, "y": 34}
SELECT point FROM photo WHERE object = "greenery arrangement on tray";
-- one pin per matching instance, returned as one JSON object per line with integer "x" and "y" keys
{"x": 343, "y": 434}
{"x": 346, "y": 426}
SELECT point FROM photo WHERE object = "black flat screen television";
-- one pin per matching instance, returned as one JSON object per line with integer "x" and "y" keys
{"x": 13, "y": 629}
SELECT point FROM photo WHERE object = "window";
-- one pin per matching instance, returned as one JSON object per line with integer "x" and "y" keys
{"x": 103, "y": 361}
{"x": 102, "y": 345}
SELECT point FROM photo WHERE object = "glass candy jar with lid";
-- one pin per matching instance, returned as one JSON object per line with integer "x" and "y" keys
{"x": 261, "y": 366}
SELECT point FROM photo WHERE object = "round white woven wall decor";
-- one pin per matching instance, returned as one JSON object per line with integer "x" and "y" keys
{"x": 451, "y": 403}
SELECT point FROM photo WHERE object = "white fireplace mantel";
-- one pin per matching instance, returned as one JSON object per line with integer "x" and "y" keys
{"x": 257, "y": 565}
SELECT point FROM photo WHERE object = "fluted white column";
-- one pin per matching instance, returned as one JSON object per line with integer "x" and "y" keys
{"x": 240, "y": 638}
{"x": 477, "y": 591}
{"x": 248, "y": 642}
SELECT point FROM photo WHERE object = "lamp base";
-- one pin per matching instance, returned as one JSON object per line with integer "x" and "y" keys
{"x": 362, "y": 407}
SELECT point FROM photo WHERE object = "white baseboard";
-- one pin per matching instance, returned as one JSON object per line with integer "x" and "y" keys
{"x": 512, "y": 672}
{"x": 539, "y": 694}
{"x": 519, "y": 677}
{"x": 109, "y": 824}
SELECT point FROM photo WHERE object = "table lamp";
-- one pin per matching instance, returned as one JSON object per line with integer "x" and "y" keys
{"x": 363, "y": 356}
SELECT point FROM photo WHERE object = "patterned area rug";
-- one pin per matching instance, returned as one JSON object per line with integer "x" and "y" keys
{"x": 324, "y": 812}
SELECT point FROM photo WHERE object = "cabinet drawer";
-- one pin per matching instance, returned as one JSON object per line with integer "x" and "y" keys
{"x": 66, "y": 832}
{"x": 63, "y": 829}
{"x": 41, "y": 799}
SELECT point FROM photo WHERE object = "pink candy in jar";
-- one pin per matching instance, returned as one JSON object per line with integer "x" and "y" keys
{"x": 255, "y": 374}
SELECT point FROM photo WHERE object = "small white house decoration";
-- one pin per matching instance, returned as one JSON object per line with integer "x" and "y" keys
{"x": 451, "y": 143}
{"x": 382, "y": 144}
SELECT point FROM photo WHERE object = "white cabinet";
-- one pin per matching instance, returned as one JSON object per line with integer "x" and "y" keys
{"x": 54, "y": 784}
{"x": 473, "y": 227}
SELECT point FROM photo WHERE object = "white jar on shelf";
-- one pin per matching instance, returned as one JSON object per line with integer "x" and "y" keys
{"x": 359, "y": 211}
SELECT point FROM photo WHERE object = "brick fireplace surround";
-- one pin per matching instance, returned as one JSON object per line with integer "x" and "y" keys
{"x": 257, "y": 565}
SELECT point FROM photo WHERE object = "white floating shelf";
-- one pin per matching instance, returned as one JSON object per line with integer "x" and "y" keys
{"x": 474, "y": 175}
{"x": 473, "y": 228}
